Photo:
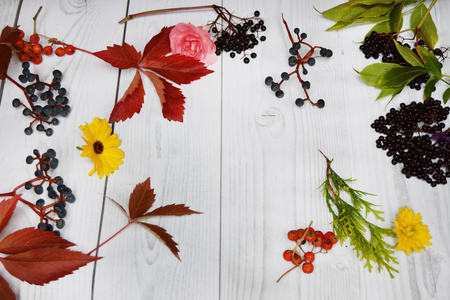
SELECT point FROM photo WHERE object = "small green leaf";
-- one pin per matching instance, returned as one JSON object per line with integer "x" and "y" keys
{"x": 428, "y": 31}
{"x": 446, "y": 95}
{"x": 390, "y": 91}
{"x": 429, "y": 86}
{"x": 400, "y": 76}
{"x": 409, "y": 55}
{"x": 395, "y": 17}
{"x": 372, "y": 73}
{"x": 431, "y": 62}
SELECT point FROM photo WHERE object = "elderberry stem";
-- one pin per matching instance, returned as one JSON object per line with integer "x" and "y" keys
{"x": 161, "y": 11}
{"x": 110, "y": 238}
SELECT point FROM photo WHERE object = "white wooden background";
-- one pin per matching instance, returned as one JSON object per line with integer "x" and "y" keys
{"x": 253, "y": 176}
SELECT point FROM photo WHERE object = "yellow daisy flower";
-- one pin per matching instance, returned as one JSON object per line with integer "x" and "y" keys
{"x": 101, "y": 147}
{"x": 412, "y": 234}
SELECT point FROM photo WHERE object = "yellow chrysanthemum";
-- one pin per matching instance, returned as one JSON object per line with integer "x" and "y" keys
{"x": 101, "y": 147}
{"x": 412, "y": 234}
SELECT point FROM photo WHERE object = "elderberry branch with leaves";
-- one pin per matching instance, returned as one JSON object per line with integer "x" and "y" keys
{"x": 350, "y": 221}
{"x": 402, "y": 64}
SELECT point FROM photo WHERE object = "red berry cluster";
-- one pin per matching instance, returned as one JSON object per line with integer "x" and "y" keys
{"x": 319, "y": 242}
{"x": 32, "y": 50}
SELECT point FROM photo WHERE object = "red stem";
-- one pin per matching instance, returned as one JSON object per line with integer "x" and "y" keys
{"x": 113, "y": 236}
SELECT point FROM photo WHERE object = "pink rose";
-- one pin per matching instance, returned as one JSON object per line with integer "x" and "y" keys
{"x": 189, "y": 40}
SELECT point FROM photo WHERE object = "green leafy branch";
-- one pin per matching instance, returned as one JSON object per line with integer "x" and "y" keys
{"x": 388, "y": 16}
{"x": 349, "y": 222}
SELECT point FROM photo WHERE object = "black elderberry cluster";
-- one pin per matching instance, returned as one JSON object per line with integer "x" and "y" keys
{"x": 382, "y": 45}
{"x": 46, "y": 101}
{"x": 414, "y": 136}
{"x": 237, "y": 38}
{"x": 57, "y": 197}
{"x": 297, "y": 60}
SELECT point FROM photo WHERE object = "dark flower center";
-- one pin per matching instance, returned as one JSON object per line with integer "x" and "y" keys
{"x": 98, "y": 147}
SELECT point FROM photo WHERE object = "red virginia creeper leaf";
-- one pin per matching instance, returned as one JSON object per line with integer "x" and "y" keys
{"x": 131, "y": 102}
{"x": 10, "y": 34}
{"x": 141, "y": 199}
{"x": 158, "y": 46}
{"x": 158, "y": 84}
{"x": 31, "y": 238}
{"x": 118, "y": 205}
{"x": 42, "y": 265}
{"x": 171, "y": 210}
{"x": 162, "y": 234}
{"x": 6, "y": 293}
{"x": 6, "y": 210}
{"x": 178, "y": 68}
{"x": 123, "y": 57}
{"x": 172, "y": 99}
{"x": 5, "y": 58}
{"x": 173, "y": 108}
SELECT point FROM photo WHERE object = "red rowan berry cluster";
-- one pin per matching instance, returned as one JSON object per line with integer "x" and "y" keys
{"x": 318, "y": 242}
{"x": 32, "y": 50}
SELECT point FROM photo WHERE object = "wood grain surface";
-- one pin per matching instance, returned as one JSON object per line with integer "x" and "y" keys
{"x": 244, "y": 158}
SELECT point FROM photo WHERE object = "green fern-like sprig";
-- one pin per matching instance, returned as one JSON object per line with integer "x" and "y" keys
{"x": 349, "y": 222}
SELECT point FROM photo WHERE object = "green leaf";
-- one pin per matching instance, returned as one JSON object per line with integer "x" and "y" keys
{"x": 338, "y": 12}
{"x": 395, "y": 17}
{"x": 400, "y": 76}
{"x": 389, "y": 91}
{"x": 372, "y": 2}
{"x": 409, "y": 55}
{"x": 346, "y": 14}
{"x": 382, "y": 27}
{"x": 372, "y": 73}
{"x": 429, "y": 86}
{"x": 446, "y": 95}
{"x": 431, "y": 62}
{"x": 428, "y": 31}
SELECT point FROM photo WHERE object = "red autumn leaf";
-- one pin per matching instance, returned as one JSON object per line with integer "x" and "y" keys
{"x": 141, "y": 199}
{"x": 162, "y": 234}
{"x": 6, "y": 210}
{"x": 123, "y": 57}
{"x": 5, "y": 58}
{"x": 42, "y": 265}
{"x": 31, "y": 238}
{"x": 173, "y": 108}
{"x": 158, "y": 84}
{"x": 171, "y": 210}
{"x": 172, "y": 99}
{"x": 6, "y": 293}
{"x": 131, "y": 102}
{"x": 10, "y": 34}
{"x": 158, "y": 46}
{"x": 178, "y": 68}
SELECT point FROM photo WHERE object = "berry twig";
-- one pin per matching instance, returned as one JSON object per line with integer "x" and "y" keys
{"x": 297, "y": 60}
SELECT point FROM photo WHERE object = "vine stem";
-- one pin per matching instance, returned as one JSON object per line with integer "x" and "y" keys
{"x": 166, "y": 10}
{"x": 110, "y": 238}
